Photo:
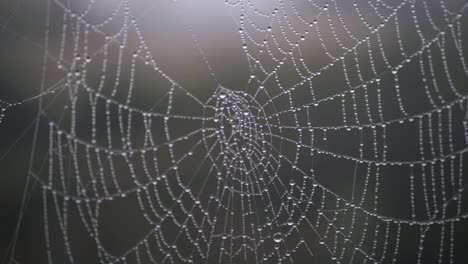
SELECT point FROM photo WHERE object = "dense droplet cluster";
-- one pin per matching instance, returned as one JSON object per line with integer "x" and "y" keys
{"x": 243, "y": 139}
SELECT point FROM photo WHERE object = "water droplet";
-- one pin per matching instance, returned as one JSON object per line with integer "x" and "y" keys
{"x": 277, "y": 237}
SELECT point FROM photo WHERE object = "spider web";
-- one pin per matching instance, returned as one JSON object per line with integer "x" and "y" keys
{"x": 345, "y": 141}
